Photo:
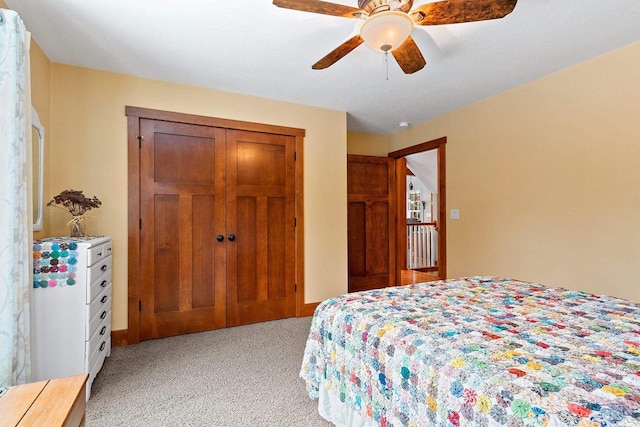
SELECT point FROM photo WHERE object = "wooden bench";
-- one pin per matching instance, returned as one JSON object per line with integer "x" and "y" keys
{"x": 53, "y": 403}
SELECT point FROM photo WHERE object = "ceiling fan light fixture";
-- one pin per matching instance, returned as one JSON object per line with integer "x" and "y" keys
{"x": 386, "y": 31}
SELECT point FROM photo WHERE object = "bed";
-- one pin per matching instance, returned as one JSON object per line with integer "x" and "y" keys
{"x": 479, "y": 351}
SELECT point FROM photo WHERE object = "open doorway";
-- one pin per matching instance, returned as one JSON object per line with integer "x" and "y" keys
{"x": 421, "y": 212}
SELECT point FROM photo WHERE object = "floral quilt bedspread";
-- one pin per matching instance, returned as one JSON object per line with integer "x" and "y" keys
{"x": 478, "y": 351}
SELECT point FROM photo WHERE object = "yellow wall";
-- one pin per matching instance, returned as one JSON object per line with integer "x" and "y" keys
{"x": 367, "y": 144}
{"x": 90, "y": 154}
{"x": 547, "y": 177}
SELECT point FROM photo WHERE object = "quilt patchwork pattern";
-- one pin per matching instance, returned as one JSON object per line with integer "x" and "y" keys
{"x": 479, "y": 351}
{"x": 54, "y": 261}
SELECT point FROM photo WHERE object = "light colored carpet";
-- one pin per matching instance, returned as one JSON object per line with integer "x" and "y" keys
{"x": 242, "y": 376}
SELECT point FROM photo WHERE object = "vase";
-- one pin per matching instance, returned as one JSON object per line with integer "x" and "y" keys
{"x": 77, "y": 228}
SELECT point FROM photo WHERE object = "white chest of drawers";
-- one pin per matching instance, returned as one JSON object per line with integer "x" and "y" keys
{"x": 71, "y": 312}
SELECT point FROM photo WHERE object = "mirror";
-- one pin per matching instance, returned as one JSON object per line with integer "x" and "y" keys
{"x": 37, "y": 139}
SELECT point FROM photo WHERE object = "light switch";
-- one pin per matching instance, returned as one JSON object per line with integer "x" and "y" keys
{"x": 455, "y": 214}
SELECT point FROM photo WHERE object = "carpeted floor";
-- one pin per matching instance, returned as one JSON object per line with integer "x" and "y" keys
{"x": 243, "y": 376}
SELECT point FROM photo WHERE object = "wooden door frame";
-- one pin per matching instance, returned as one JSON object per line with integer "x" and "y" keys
{"x": 401, "y": 182}
{"x": 134, "y": 115}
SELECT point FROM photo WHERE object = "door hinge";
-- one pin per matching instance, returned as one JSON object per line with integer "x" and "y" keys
{"x": 139, "y": 305}
{"x": 140, "y": 223}
{"x": 295, "y": 287}
{"x": 295, "y": 222}
{"x": 295, "y": 156}
{"x": 140, "y": 138}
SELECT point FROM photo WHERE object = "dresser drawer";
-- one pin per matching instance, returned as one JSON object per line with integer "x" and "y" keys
{"x": 97, "y": 253}
{"x": 98, "y": 361}
{"x": 99, "y": 344}
{"x": 101, "y": 302}
{"x": 102, "y": 311}
{"x": 98, "y": 279}
{"x": 99, "y": 268}
{"x": 102, "y": 330}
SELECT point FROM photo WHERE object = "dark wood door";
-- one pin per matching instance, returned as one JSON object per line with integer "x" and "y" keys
{"x": 217, "y": 228}
{"x": 260, "y": 217}
{"x": 183, "y": 271}
{"x": 371, "y": 222}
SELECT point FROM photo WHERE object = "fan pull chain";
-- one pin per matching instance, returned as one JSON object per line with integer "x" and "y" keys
{"x": 386, "y": 48}
{"x": 386, "y": 61}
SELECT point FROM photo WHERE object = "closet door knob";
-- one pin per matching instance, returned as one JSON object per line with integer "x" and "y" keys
{"x": 219, "y": 237}
{"x": 231, "y": 237}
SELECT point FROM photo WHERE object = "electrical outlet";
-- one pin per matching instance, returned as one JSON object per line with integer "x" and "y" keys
{"x": 454, "y": 214}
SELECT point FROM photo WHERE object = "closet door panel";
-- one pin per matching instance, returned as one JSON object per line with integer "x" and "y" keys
{"x": 277, "y": 264}
{"x": 182, "y": 209}
{"x": 166, "y": 276}
{"x": 371, "y": 222}
{"x": 246, "y": 250}
{"x": 357, "y": 238}
{"x": 261, "y": 165}
{"x": 378, "y": 240}
{"x": 203, "y": 251}
{"x": 260, "y": 214}
{"x": 184, "y": 159}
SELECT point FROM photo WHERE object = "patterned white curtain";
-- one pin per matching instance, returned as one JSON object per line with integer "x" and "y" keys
{"x": 15, "y": 219}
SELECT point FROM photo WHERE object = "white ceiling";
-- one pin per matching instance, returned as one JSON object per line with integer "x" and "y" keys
{"x": 253, "y": 47}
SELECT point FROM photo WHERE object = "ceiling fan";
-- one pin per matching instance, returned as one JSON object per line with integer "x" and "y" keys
{"x": 388, "y": 24}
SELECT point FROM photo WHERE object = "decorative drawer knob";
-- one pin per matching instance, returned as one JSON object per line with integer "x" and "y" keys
{"x": 103, "y": 284}
{"x": 104, "y": 299}
{"x": 103, "y": 268}
{"x": 103, "y": 330}
{"x": 102, "y": 346}
{"x": 103, "y": 315}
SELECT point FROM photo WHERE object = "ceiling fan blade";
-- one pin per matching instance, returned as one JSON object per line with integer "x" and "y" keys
{"x": 409, "y": 57}
{"x": 338, "y": 53}
{"x": 457, "y": 11}
{"x": 323, "y": 7}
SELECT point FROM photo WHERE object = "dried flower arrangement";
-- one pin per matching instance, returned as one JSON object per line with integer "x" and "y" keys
{"x": 77, "y": 204}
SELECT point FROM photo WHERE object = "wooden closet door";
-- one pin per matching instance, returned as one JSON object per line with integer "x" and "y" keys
{"x": 182, "y": 207}
{"x": 370, "y": 222}
{"x": 261, "y": 219}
